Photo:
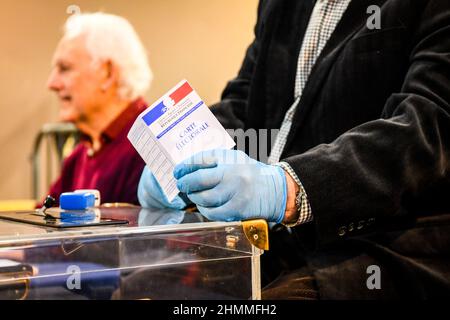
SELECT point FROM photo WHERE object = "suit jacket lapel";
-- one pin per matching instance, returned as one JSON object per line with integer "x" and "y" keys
{"x": 352, "y": 21}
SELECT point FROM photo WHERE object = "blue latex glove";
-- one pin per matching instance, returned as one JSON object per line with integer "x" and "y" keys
{"x": 228, "y": 185}
{"x": 150, "y": 194}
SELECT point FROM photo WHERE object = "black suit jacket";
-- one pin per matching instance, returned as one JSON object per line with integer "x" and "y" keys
{"x": 370, "y": 140}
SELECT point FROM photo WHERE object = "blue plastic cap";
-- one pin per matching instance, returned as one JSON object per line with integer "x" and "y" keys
{"x": 76, "y": 201}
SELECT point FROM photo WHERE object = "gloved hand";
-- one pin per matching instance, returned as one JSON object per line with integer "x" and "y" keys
{"x": 228, "y": 185}
{"x": 150, "y": 194}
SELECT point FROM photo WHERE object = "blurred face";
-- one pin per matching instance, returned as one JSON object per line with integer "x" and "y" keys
{"x": 77, "y": 81}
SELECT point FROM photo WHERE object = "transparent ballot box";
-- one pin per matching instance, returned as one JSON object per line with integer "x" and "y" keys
{"x": 128, "y": 253}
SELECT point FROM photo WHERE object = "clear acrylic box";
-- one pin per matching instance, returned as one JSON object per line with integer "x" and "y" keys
{"x": 159, "y": 254}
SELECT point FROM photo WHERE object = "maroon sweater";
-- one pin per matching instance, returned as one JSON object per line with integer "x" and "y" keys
{"x": 114, "y": 170}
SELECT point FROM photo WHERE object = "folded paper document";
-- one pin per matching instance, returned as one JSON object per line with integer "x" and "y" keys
{"x": 175, "y": 127}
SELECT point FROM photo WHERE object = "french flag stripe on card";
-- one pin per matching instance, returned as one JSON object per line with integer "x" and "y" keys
{"x": 176, "y": 96}
{"x": 181, "y": 92}
{"x": 153, "y": 115}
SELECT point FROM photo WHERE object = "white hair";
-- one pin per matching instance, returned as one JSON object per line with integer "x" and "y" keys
{"x": 112, "y": 37}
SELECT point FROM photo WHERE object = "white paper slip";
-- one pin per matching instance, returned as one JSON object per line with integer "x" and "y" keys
{"x": 174, "y": 128}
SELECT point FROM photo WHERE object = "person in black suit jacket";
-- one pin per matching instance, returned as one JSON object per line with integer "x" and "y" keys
{"x": 370, "y": 142}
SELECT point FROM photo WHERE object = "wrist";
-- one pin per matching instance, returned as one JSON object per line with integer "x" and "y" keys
{"x": 291, "y": 213}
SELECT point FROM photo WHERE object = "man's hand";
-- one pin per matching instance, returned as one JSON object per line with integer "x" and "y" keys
{"x": 228, "y": 185}
{"x": 150, "y": 194}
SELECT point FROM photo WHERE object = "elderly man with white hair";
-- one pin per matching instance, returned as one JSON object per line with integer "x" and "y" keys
{"x": 100, "y": 73}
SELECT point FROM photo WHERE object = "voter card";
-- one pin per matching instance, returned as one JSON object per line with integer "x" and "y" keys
{"x": 172, "y": 129}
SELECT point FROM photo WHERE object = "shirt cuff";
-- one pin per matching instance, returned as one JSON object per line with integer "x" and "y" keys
{"x": 305, "y": 212}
